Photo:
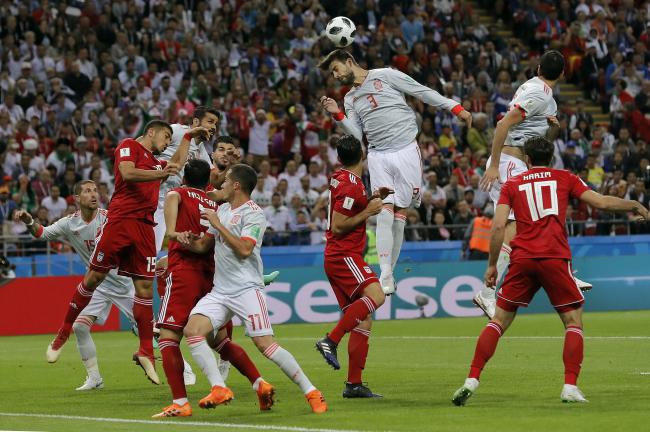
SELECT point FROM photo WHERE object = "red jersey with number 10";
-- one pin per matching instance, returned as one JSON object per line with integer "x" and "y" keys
{"x": 539, "y": 198}
{"x": 192, "y": 203}
{"x": 348, "y": 197}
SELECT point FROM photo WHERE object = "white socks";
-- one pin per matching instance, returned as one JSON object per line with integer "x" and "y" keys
{"x": 398, "y": 237}
{"x": 181, "y": 401}
{"x": 385, "y": 240}
{"x": 86, "y": 345}
{"x": 502, "y": 262}
{"x": 289, "y": 366}
{"x": 202, "y": 354}
{"x": 257, "y": 383}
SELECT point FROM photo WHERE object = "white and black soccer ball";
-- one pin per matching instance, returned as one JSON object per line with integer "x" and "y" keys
{"x": 340, "y": 31}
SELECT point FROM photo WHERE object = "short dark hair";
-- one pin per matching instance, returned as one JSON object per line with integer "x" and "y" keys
{"x": 540, "y": 151}
{"x": 245, "y": 176}
{"x": 202, "y": 110}
{"x": 226, "y": 139}
{"x": 336, "y": 55}
{"x": 197, "y": 173}
{"x": 551, "y": 65}
{"x": 349, "y": 150}
{"x": 158, "y": 124}
{"x": 80, "y": 184}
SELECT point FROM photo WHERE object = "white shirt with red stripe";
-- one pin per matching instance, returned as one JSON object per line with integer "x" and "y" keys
{"x": 535, "y": 101}
{"x": 234, "y": 275}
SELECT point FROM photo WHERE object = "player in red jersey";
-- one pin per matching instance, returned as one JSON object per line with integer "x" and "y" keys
{"x": 355, "y": 285}
{"x": 126, "y": 241}
{"x": 189, "y": 278}
{"x": 540, "y": 257}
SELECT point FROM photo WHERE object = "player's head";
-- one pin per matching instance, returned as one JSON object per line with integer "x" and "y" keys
{"x": 197, "y": 173}
{"x": 159, "y": 133}
{"x": 539, "y": 152}
{"x": 349, "y": 150}
{"x": 224, "y": 148}
{"x": 206, "y": 117}
{"x": 551, "y": 65}
{"x": 339, "y": 63}
{"x": 240, "y": 180}
{"x": 86, "y": 194}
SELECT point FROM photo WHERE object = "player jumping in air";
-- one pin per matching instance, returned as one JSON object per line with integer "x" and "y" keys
{"x": 354, "y": 283}
{"x": 532, "y": 114}
{"x": 540, "y": 258}
{"x": 126, "y": 240}
{"x": 80, "y": 229}
{"x": 376, "y": 106}
{"x": 235, "y": 233}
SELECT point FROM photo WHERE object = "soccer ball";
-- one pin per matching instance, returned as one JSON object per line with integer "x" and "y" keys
{"x": 340, "y": 31}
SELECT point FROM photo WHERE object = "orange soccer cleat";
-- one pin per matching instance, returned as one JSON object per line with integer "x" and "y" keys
{"x": 316, "y": 401}
{"x": 265, "y": 393}
{"x": 218, "y": 396}
{"x": 175, "y": 410}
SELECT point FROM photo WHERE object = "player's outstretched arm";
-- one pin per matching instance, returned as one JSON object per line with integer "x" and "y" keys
{"x": 342, "y": 224}
{"x": 496, "y": 241}
{"x": 199, "y": 133}
{"x": 612, "y": 203}
{"x": 130, "y": 173}
{"x": 52, "y": 232}
{"x": 350, "y": 124}
{"x": 512, "y": 117}
{"x": 243, "y": 247}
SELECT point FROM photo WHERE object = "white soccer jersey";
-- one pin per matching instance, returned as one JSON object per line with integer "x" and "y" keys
{"x": 535, "y": 100}
{"x": 81, "y": 236}
{"x": 234, "y": 275}
{"x": 378, "y": 108}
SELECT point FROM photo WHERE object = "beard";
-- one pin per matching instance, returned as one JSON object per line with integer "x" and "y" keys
{"x": 347, "y": 79}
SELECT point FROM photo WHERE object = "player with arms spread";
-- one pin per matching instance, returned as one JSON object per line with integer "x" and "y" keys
{"x": 127, "y": 240}
{"x": 80, "y": 229}
{"x": 235, "y": 235}
{"x": 541, "y": 257}
{"x": 376, "y": 106}
{"x": 354, "y": 283}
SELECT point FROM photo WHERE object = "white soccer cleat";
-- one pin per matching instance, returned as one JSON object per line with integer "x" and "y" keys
{"x": 486, "y": 300}
{"x": 571, "y": 393}
{"x": 92, "y": 383}
{"x": 224, "y": 369}
{"x": 462, "y": 394}
{"x": 584, "y": 286}
{"x": 387, "y": 282}
{"x": 52, "y": 355}
{"x": 189, "y": 377}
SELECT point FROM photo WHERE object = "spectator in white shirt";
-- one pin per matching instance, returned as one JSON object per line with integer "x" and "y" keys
{"x": 438, "y": 193}
{"x": 14, "y": 110}
{"x": 60, "y": 156}
{"x": 81, "y": 156}
{"x": 261, "y": 196}
{"x": 324, "y": 159}
{"x": 167, "y": 92}
{"x": 292, "y": 177}
{"x": 306, "y": 193}
{"x": 258, "y": 144}
{"x": 97, "y": 163}
{"x": 270, "y": 182}
{"x": 278, "y": 219}
{"x": 54, "y": 204}
{"x": 12, "y": 157}
{"x": 38, "y": 110}
{"x": 317, "y": 181}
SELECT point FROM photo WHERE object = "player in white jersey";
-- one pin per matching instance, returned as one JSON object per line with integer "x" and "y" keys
{"x": 235, "y": 234}
{"x": 80, "y": 230}
{"x": 376, "y": 106}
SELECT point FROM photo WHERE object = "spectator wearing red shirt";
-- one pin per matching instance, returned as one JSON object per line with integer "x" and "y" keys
{"x": 463, "y": 171}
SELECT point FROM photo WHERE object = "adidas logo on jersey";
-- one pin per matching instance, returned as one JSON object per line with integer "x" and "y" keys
{"x": 171, "y": 319}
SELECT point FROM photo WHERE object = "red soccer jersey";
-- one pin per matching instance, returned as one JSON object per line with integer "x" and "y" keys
{"x": 192, "y": 203}
{"x": 134, "y": 200}
{"x": 348, "y": 197}
{"x": 539, "y": 199}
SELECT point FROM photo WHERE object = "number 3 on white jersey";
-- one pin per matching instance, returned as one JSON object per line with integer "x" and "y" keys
{"x": 535, "y": 201}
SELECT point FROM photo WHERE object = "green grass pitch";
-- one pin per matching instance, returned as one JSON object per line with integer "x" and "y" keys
{"x": 415, "y": 364}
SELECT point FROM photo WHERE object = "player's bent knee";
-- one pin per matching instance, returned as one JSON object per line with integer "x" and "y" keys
{"x": 375, "y": 292}
{"x": 198, "y": 325}
{"x": 166, "y": 333}
{"x": 366, "y": 324}
{"x": 262, "y": 342}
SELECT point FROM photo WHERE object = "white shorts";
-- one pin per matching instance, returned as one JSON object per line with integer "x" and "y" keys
{"x": 509, "y": 166}
{"x": 100, "y": 306}
{"x": 400, "y": 171}
{"x": 249, "y": 306}
{"x": 160, "y": 228}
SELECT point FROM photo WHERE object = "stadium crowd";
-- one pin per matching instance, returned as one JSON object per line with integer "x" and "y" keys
{"x": 77, "y": 77}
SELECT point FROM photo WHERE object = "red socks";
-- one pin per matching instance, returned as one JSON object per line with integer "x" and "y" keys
{"x": 80, "y": 300}
{"x": 143, "y": 314}
{"x": 353, "y": 315}
{"x": 172, "y": 361}
{"x": 235, "y": 354}
{"x": 573, "y": 354}
{"x": 485, "y": 347}
{"x": 357, "y": 354}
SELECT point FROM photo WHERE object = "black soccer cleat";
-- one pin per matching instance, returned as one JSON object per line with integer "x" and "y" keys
{"x": 327, "y": 348}
{"x": 353, "y": 391}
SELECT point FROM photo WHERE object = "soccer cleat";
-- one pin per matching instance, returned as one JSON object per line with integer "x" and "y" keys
{"x": 189, "y": 377}
{"x": 92, "y": 383}
{"x": 387, "y": 282}
{"x": 175, "y": 410}
{"x": 218, "y": 396}
{"x": 224, "y": 369}
{"x": 54, "y": 348}
{"x": 584, "y": 286}
{"x": 462, "y": 394}
{"x": 327, "y": 348}
{"x": 353, "y": 391}
{"x": 271, "y": 277}
{"x": 571, "y": 393}
{"x": 486, "y": 300}
{"x": 148, "y": 365}
{"x": 316, "y": 401}
{"x": 265, "y": 393}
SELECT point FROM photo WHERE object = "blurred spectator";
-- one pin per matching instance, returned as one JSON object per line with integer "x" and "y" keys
{"x": 54, "y": 204}
{"x": 279, "y": 219}
{"x": 7, "y": 206}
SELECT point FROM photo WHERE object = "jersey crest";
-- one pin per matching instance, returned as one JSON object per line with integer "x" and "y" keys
{"x": 378, "y": 85}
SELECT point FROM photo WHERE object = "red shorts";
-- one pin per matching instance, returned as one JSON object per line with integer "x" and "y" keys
{"x": 348, "y": 277}
{"x": 128, "y": 245}
{"x": 184, "y": 288}
{"x": 525, "y": 276}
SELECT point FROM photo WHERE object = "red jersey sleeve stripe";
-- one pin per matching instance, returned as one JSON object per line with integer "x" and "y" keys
{"x": 523, "y": 111}
{"x": 250, "y": 239}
